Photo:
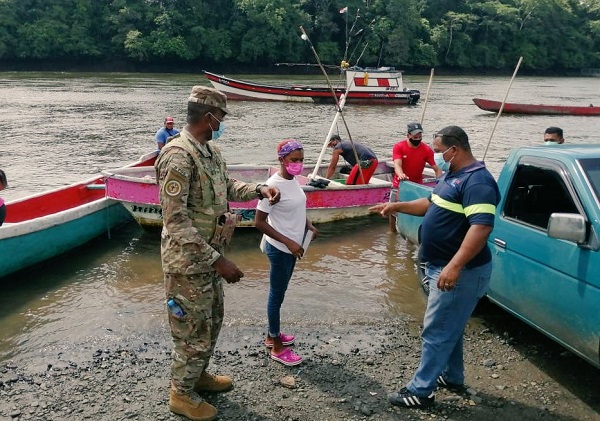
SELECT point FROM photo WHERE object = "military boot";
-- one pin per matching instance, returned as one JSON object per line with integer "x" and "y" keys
{"x": 213, "y": 383}
{"x": 191, "y": 406}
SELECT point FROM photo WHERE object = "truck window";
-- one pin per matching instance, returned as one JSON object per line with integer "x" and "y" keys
{"x": 591, "y": 168}
{"x": 535, "y": 193}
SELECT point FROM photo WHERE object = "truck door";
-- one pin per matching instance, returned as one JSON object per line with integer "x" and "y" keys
{"x": 549, "y": 283}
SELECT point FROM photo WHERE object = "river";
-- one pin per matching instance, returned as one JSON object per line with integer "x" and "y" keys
{"x": 60, "y": 128}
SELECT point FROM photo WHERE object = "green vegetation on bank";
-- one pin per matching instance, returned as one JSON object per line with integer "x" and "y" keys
{"x": 551, "y": 35}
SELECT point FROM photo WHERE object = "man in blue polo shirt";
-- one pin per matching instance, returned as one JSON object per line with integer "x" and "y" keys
{"x": 458, "y": 218}
{"x": 165, "y": 132}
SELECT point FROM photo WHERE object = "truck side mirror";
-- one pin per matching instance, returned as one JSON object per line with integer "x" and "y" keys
{"x": 567, "y": 226}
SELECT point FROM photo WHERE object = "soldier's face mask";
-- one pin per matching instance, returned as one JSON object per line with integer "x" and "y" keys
{"x": 220, "y": 128}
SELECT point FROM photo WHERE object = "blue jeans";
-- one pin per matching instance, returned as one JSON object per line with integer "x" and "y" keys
{"x": 282, "y": 267}
{"x": 445, "y": 319}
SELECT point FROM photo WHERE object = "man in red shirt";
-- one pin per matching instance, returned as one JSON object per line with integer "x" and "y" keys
{"x": 410, "y": 156}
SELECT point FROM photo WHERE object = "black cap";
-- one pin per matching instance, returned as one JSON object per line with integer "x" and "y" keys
{"x": 414, "y": 128}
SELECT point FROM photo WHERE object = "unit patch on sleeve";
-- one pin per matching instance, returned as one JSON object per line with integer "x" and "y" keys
{"x": 174, "y": 182}
{"x": 173, "y": 188}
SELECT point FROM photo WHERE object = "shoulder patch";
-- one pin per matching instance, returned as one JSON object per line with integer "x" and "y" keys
{"x": 173, "y": 188}
{"x": 174, "y": 181}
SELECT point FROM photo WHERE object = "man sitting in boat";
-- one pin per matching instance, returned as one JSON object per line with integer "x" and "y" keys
{"x": 554, "y": 136}
{"x": 165, "y": 132}
{"x": 350, "y": 151}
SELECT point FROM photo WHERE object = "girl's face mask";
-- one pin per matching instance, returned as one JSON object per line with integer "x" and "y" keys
{"x": 294, "y": 168}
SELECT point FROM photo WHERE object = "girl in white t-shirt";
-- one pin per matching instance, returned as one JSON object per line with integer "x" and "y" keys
{"x": 284, "y": 225}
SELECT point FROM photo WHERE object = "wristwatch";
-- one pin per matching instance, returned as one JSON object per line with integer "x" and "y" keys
{"x": 258, "y": 193}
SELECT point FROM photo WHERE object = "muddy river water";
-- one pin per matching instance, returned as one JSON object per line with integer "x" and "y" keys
{"x": 59, "y": 128}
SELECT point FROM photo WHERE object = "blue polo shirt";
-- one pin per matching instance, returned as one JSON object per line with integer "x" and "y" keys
{"x": 460, "y": 199}
{"x": 163, "y": 134}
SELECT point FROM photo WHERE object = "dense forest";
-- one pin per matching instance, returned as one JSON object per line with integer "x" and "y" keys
{"x": 468, "y": 35}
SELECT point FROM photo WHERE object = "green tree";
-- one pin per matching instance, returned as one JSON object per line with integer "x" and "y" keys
{"x": 453, "y": 40}
{"x": 8, "y": 29}
{"x": 270, "y": 31}
{"x": 61, "y": 28}
{"x": 468, "y": 34}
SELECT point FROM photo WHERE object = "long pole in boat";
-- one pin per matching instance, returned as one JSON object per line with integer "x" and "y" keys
{"x": 347, "y": 40}
{"x": 502, "y": 106}
{"x": 339, "y": 105}
{"x": 329, "y": 133}
{"x": 426, "y": 97}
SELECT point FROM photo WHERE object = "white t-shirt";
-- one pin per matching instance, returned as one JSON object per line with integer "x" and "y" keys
{"x": 288, "y": 216}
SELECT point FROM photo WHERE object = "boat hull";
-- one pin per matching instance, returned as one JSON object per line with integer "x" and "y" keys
{"x": 381, "y": 88}
{"x": 511, "y": 108}
{"x": 36, "y": 241}
{"x": 137, "y": 190}
{"x": 45, "y": 225}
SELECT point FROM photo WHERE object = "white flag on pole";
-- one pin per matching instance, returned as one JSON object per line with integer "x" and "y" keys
{"x": 344, "y": 9}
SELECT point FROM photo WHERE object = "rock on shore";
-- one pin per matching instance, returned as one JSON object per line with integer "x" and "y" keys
{"x": 348, "y": 371}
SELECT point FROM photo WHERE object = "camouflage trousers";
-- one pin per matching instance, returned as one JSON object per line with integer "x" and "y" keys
{"x": 195, "y": 334}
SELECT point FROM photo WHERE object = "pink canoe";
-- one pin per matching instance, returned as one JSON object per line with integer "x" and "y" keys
{"x": 137, "y": 190}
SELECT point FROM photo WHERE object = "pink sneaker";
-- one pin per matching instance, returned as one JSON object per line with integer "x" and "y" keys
{"x": 285, "y": 340}
{"x": 287, "y": 357}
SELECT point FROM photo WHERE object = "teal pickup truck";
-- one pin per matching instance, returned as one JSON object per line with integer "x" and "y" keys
{"x": 545, "y": 243}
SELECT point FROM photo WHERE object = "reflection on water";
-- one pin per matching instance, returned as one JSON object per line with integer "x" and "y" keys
{"x": 83, "y": 293}
{"x": 113, "y": 288}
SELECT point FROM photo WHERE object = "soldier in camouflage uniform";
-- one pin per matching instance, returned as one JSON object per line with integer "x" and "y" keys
{"x": 194, "y": 190}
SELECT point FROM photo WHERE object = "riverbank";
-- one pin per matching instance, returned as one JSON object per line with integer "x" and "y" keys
{"x": 349, "y": 369}
{"x": 196, "y": 67}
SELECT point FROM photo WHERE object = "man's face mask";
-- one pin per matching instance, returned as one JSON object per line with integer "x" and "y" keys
{"x": 416, "y": 140}
{"x": 438, "y": 157}
{"x": 220, "y": 129}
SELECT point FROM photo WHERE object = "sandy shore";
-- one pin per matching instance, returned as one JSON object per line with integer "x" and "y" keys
{"x": 349, "y": 369}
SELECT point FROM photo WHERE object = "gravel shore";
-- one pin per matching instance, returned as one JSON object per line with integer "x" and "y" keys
{"x": 349, "y": 369}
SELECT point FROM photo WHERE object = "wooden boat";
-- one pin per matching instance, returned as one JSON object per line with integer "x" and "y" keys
{"x": 511, "y": 108}
{"x": 381, "y": 86}
{"x": 137, "y": 190}
{"x": 44, "y": 225}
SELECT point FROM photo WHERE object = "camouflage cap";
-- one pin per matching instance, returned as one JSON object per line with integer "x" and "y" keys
{"x": 209, "y": 96}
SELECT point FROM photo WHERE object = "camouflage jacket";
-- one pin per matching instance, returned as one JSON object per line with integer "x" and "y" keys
{"x": 194, "y": 189}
